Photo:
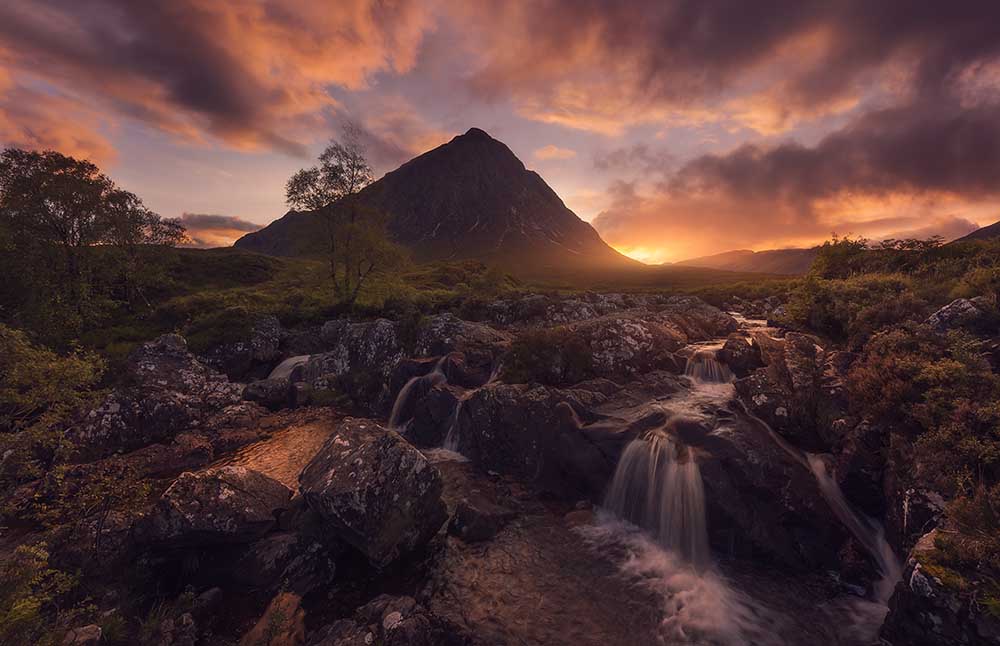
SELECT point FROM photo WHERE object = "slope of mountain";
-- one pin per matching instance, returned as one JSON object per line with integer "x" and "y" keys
{"x": 469, "y": 198}
{"x": 776, "y": 261}
{"x": 983, "y": 233}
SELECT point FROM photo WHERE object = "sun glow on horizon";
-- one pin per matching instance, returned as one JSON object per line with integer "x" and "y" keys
{"x": 647, "y": 255}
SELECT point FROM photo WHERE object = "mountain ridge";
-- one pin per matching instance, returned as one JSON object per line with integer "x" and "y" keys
{"x": 470, "y": 198}
{"x": 771, "y": 261}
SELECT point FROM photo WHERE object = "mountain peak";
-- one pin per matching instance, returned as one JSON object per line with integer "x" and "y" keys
{"x": 469, "y": 198}
{"x": 476, "y": 133}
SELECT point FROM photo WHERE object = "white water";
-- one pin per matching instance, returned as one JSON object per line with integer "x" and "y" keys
{"x": 703, "y": 366}
{"x": 452, "y": 436}
{"x": 657, "y": 486}
{"x": 433, "y": 377}
{"x": 284, "y": 369}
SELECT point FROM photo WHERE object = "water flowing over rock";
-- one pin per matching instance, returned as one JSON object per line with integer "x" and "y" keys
{"x": 167, "y": 391}
{"x": 225, "y": 505}
{"x": 374, "y": 490}
{"x": 400, "y": 413}
{"x": 658, "y": 487}
{"x": 287, "y": 368}
{"x": 703, "y": 365}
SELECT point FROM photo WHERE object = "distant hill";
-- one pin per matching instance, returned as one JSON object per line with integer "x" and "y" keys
{"x": 470, "y": 198}
{"x": 983, "y": 233}
{"x": 777, "y": 261}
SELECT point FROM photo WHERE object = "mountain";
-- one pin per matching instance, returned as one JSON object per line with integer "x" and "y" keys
{"x": 983, "y": 233}
{"x": 776, "y": 261}
{"x": 469, "y": 198}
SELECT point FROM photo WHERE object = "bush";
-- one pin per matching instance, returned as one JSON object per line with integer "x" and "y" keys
{"x": 553, "y": 357}
{"x": 39, "y": 392}
{"x": 29, "y": 592}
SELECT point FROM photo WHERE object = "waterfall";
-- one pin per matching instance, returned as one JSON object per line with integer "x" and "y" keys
{"x": 705, "y": 367}
{"x": 657, "y": 486}
{"x": 284, "y": 369}
{"x": 451, "y": 438}
{"x": 869, "y": 534}
{"x": 435, "y": 376}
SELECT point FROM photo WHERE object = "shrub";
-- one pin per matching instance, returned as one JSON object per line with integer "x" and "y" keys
{"x": 29, "y": 592}
{"x": 552, "y": 356}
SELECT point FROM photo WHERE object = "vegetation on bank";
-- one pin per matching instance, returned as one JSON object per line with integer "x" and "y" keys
{"x": 937, "y": 394}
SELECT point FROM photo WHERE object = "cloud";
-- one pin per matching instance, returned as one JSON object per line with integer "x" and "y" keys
{"x": 887, "y": 173}
{"x": 252, "y": 74}
{"x": 211, "y": 230}
{"x": 552, "y": 151}
{"x": 602, "y": 65}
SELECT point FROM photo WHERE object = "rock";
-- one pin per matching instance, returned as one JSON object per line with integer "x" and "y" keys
{"x": 433, "y": 415}
{"x": 479, "y": 343}
{"x": 975, "y": 315}
{"x": 283, "y": 623}
{"x": 741, "y": 355}
{"x": 391, "y": 621}
{"x": 374, "y": 490}
{"x": 167, "y": 391}
{"x": 295, "y": 560}
{"x": 83, "y": 636}
{"x": 937, "y": 606}
{"x": 800, "y": 392}
{"x": 207, "y": 604}
{"x": 252, "y": 356}
{"x": 922, "y": 510}
{"x": 778, "y": 316}
{"x": 272, "y": 393}
{"x": 517, "y": 429}
{"x": 861, "y": 466}
{"x": 222, "y": 505}
{"x": 360, "y": 361}
{"x": 478, "y": 520}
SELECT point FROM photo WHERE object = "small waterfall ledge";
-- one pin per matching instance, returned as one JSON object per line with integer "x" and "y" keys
{"x": 657, "y": 486}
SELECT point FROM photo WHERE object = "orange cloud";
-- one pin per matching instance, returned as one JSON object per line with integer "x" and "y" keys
{"x": 554, "y": 152}
{"x": 210, "y": 230}
{"x": 253, "y": 74}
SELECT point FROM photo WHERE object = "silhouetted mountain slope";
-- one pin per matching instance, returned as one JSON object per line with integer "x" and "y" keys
{"x": 776, "y": 261}
{"x": 469, "y": 198}
{"x": 983, "y": 233}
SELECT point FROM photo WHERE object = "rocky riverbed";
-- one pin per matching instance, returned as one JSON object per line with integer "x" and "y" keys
{"x": 604, "y": 469}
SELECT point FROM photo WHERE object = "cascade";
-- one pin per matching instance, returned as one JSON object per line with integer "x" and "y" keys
{"x": 435, "y": 376}
{"x": 451, "y": 438}
{"x": 657, "y": 486}
{"x": 703, "y": 366}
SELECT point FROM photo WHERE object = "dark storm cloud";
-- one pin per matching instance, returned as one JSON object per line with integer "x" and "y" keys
{"x": 248, "y": 73}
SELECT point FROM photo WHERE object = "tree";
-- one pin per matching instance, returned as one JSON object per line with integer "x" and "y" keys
{"x": 57, "y": 214}
{"x": 357, "y": 240}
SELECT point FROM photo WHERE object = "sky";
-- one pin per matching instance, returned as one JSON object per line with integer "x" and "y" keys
{"x": 678, "y": 128}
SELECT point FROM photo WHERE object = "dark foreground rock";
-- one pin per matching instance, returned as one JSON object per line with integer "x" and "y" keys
{"x": 391, "y": 621}
{"x": 375, "y": 491}
{"x": 166, "y": 391}
{"x": 935, "y": 606}
{"x": 224, "y": 505}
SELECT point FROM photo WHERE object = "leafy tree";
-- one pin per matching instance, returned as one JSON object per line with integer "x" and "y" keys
{"x": 57, "y": 216}
{"x": 357, "y": 240}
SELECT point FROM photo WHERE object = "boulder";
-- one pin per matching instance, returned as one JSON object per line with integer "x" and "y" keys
{"x": 479, "y": 343}
{"x": 433, "y": 415}
{"x": 222, "y": 505}
{"x": 252, "y": 356}
{"x": 937, "y": 606}
{"x": 975, "y": 315}
{"x": 861, "y": 467}
{"x": 167, "y": 391}
{"x": 83, "y": 636}
{"x": 374, "y": 490}
{"x": 282, "y": 624}
{"x": 741, "y": 355}
{"x": 517, "y": 429}
{"x": 274, "y": 393}
{"x": 360, "y": 360}
{"x": 391, "y": 621}
{"x": 478, "y": 520}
